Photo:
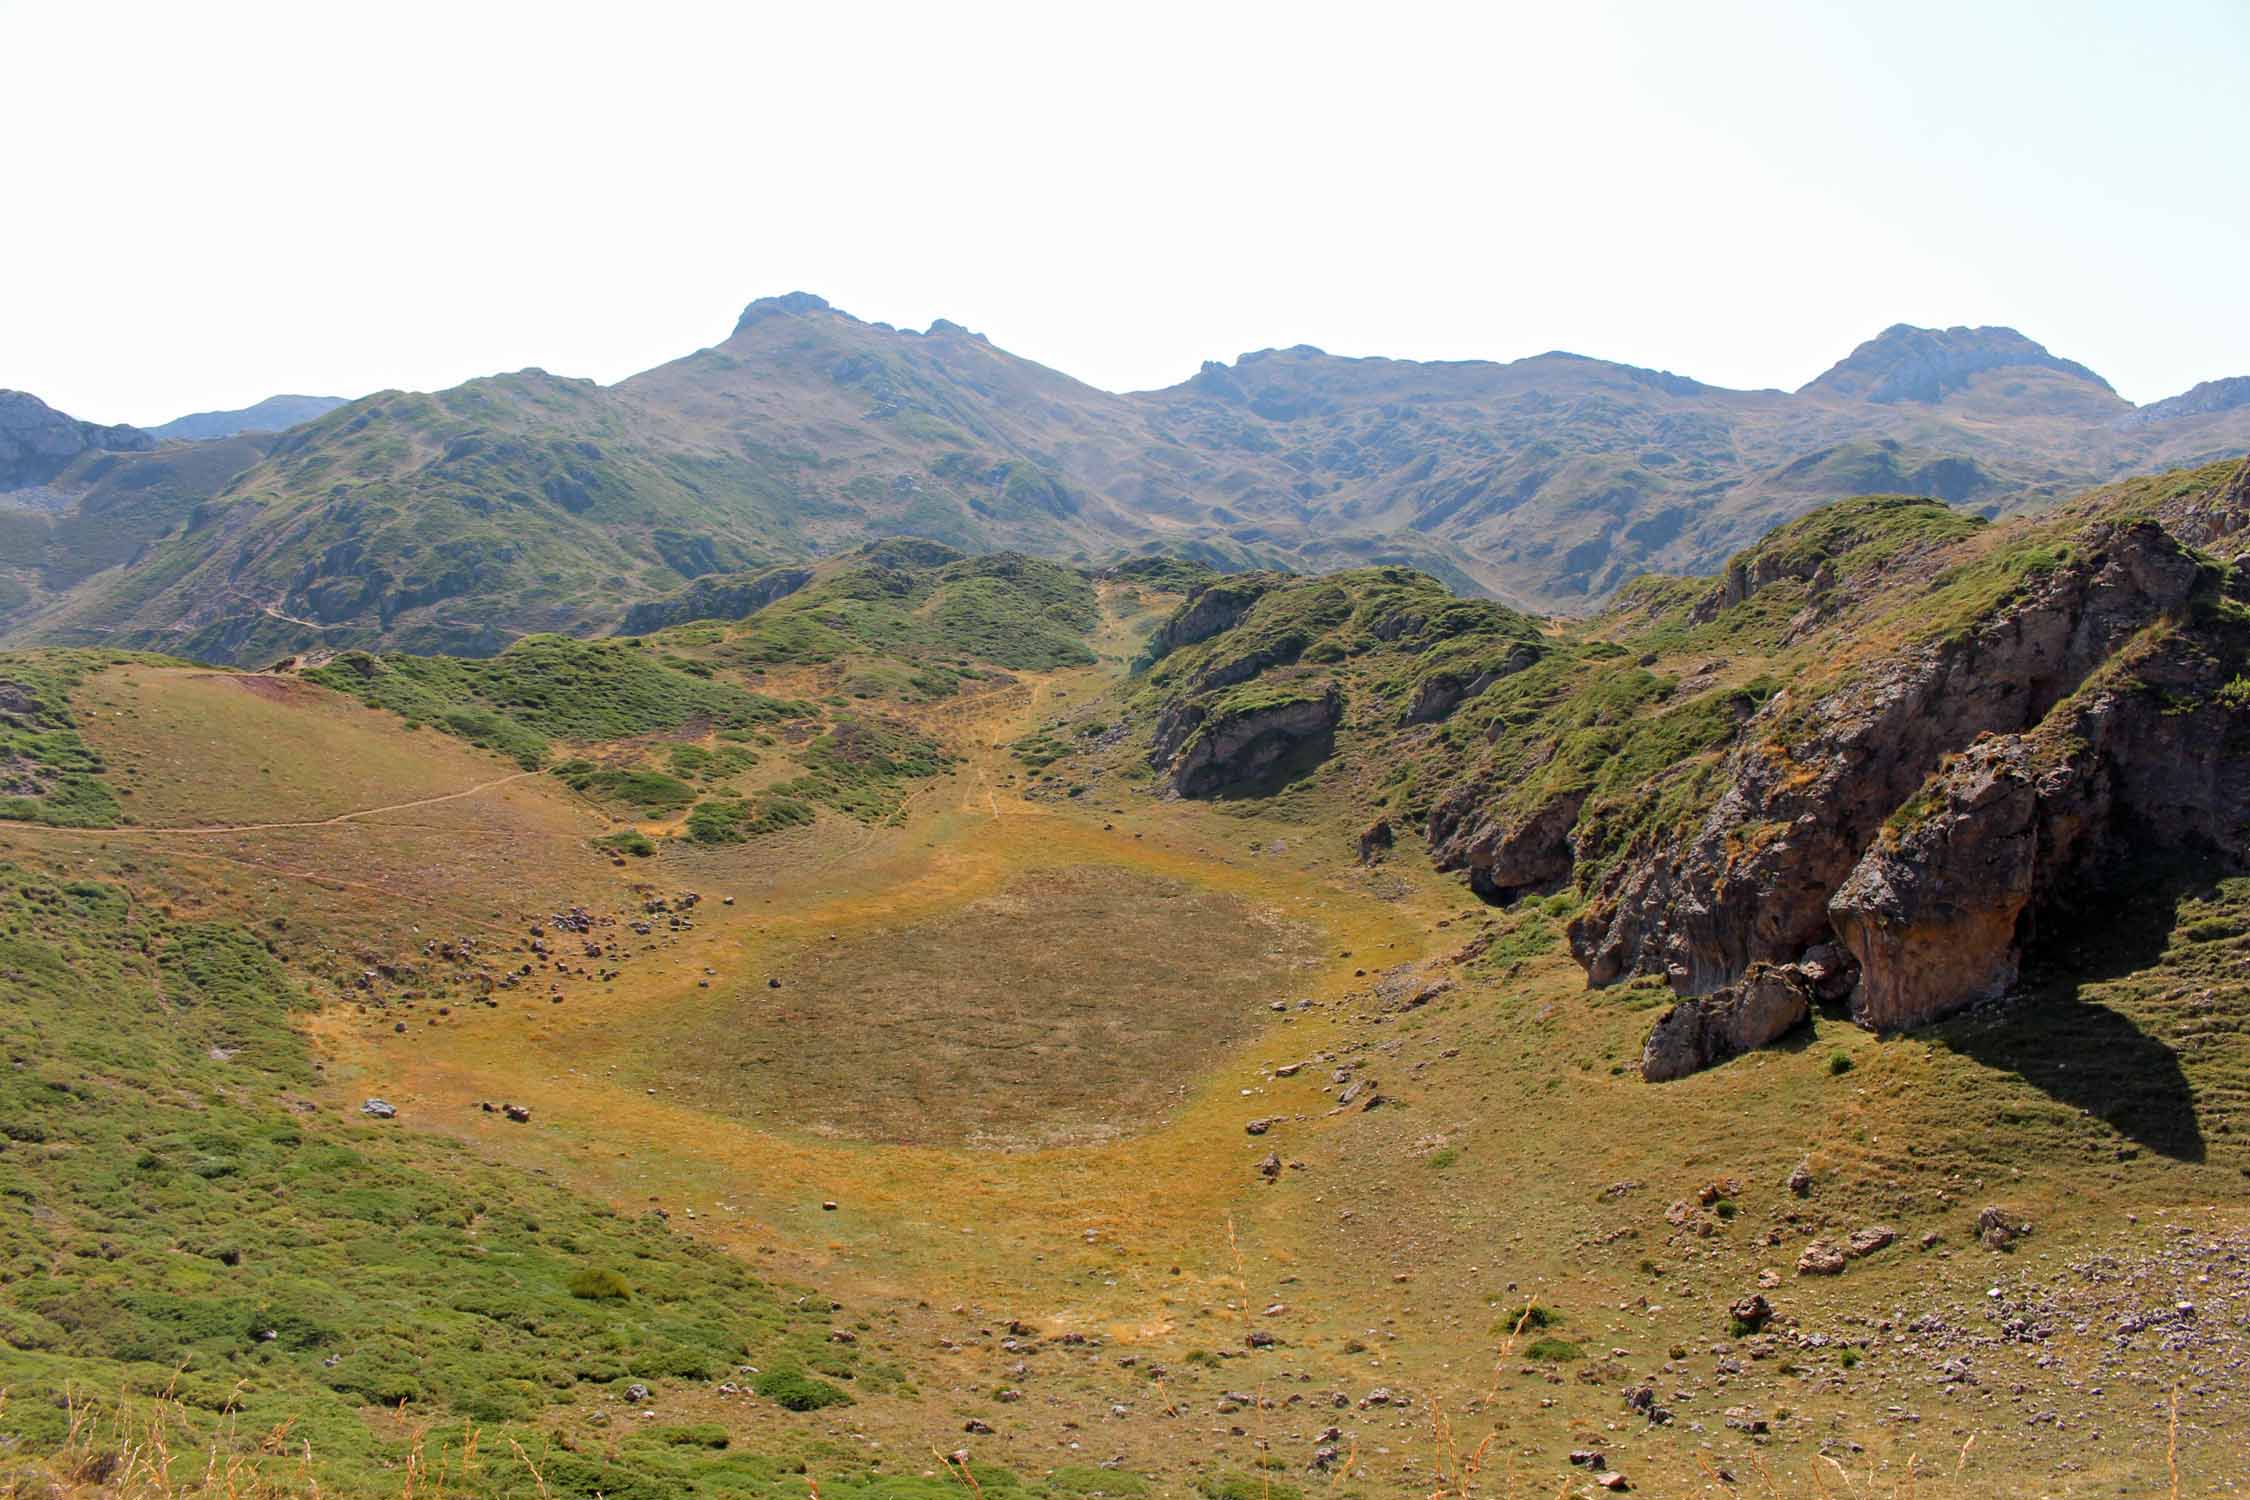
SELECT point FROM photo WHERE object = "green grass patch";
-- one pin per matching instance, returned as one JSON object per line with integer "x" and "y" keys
{"x": 865, "y": 767}
{"x": 546, "y": 688}
{"x": 795, "y": 1390}
{"x": 48, "y": 773}
{"x": 737, "y": 820}
{"x": 648, "y": 794}
{"x": 182, "y": 1228}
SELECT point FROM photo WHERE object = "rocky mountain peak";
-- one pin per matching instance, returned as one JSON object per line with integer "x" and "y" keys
{"x": 36, "y": 441}
{"x": 789, "y": 303}
{"x": 2205, "y": 399}
{"x": 1905, "y": 363}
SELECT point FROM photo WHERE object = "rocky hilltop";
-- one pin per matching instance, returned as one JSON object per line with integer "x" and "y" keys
{"x": 528, "y": 502}
{"x": 37, "y": 442}
{"x": 1904, "y": 363}
{"x": 1865, "y": 765}
{"x": 274, "y": 414}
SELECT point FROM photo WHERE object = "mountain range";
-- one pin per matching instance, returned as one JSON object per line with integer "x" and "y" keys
{"x": 462, "y": 519}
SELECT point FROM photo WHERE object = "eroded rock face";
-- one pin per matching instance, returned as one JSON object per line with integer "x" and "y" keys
{"x": 1505, "y": 859}
{"x": 1705, "y": 1030}
{"x": 734, "y": 596}
{"x": 2147, "y": 760}
{"x": 1810, "y": 786}
{"x": 1206, "y": 749}
{"x": 1442, "y": 692}
{"x": 1214, "y": 607}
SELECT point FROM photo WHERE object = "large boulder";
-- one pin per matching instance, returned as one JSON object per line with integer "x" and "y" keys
{"x": 1705, "y": 1030}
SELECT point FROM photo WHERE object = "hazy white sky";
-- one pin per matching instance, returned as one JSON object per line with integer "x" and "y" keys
{"x": 208, "y": 203}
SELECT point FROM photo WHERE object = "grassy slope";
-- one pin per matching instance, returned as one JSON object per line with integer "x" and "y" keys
{"x": 48, "y": 772}
{"x": 186, "y": 1227}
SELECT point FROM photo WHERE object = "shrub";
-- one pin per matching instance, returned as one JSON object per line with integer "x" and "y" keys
{"x": 1554, "y": 1350}
{"x": 794, "y": 1390}
{"x": 1839, "y": 1064}
{"x": 597, "y": 1285}
{"x": 1529, "y": 1318}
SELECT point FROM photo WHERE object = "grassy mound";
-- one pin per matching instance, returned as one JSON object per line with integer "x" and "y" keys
{"x": 924, "y": 606}
{"x": 548, "y": 688}
{"x": 864, "y": 767}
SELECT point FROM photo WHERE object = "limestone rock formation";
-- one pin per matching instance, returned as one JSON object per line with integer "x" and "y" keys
{"x": 1703, "y": 1031}
{"x": 1205, "y": 747}
{"x": 730, "y": 596}
{"x": 37, "y": 442}
{"x": 1216, "y": 607}
{"x": 1823, "y": 776}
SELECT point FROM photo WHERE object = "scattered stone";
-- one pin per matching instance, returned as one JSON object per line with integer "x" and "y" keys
{"x": 1257, "y": 1127}
{"x": 1821, "y": 1258}
{"x": 1801, "y": 1179}
{"x": 520, "y": 1113}
{"x": 1869, "y": 1240}
{"x": 1752, "y": 1312}
{"x": 1997, "y": 1228}
{"x": 378, "y": 1109}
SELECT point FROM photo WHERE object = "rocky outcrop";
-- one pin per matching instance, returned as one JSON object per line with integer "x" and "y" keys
{"x": 732, "y": 596}
{"x": 37, "y": 442}
{"x": 2203, "y": 400}
{"x": 1705, "y": 1030}
{"x": 1206, "y": 748}
{"x": 2213, "y": 519}
{"x": 1215, "y": 607}
{"x": 1446, "y": 688}
{"x": 2147, "y": 759}
{"x": 1505, "y": 857}
{"x": 1810, "y": 784}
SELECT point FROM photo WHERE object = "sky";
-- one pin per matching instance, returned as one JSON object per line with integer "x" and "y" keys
{"x": 211, "y": 203}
